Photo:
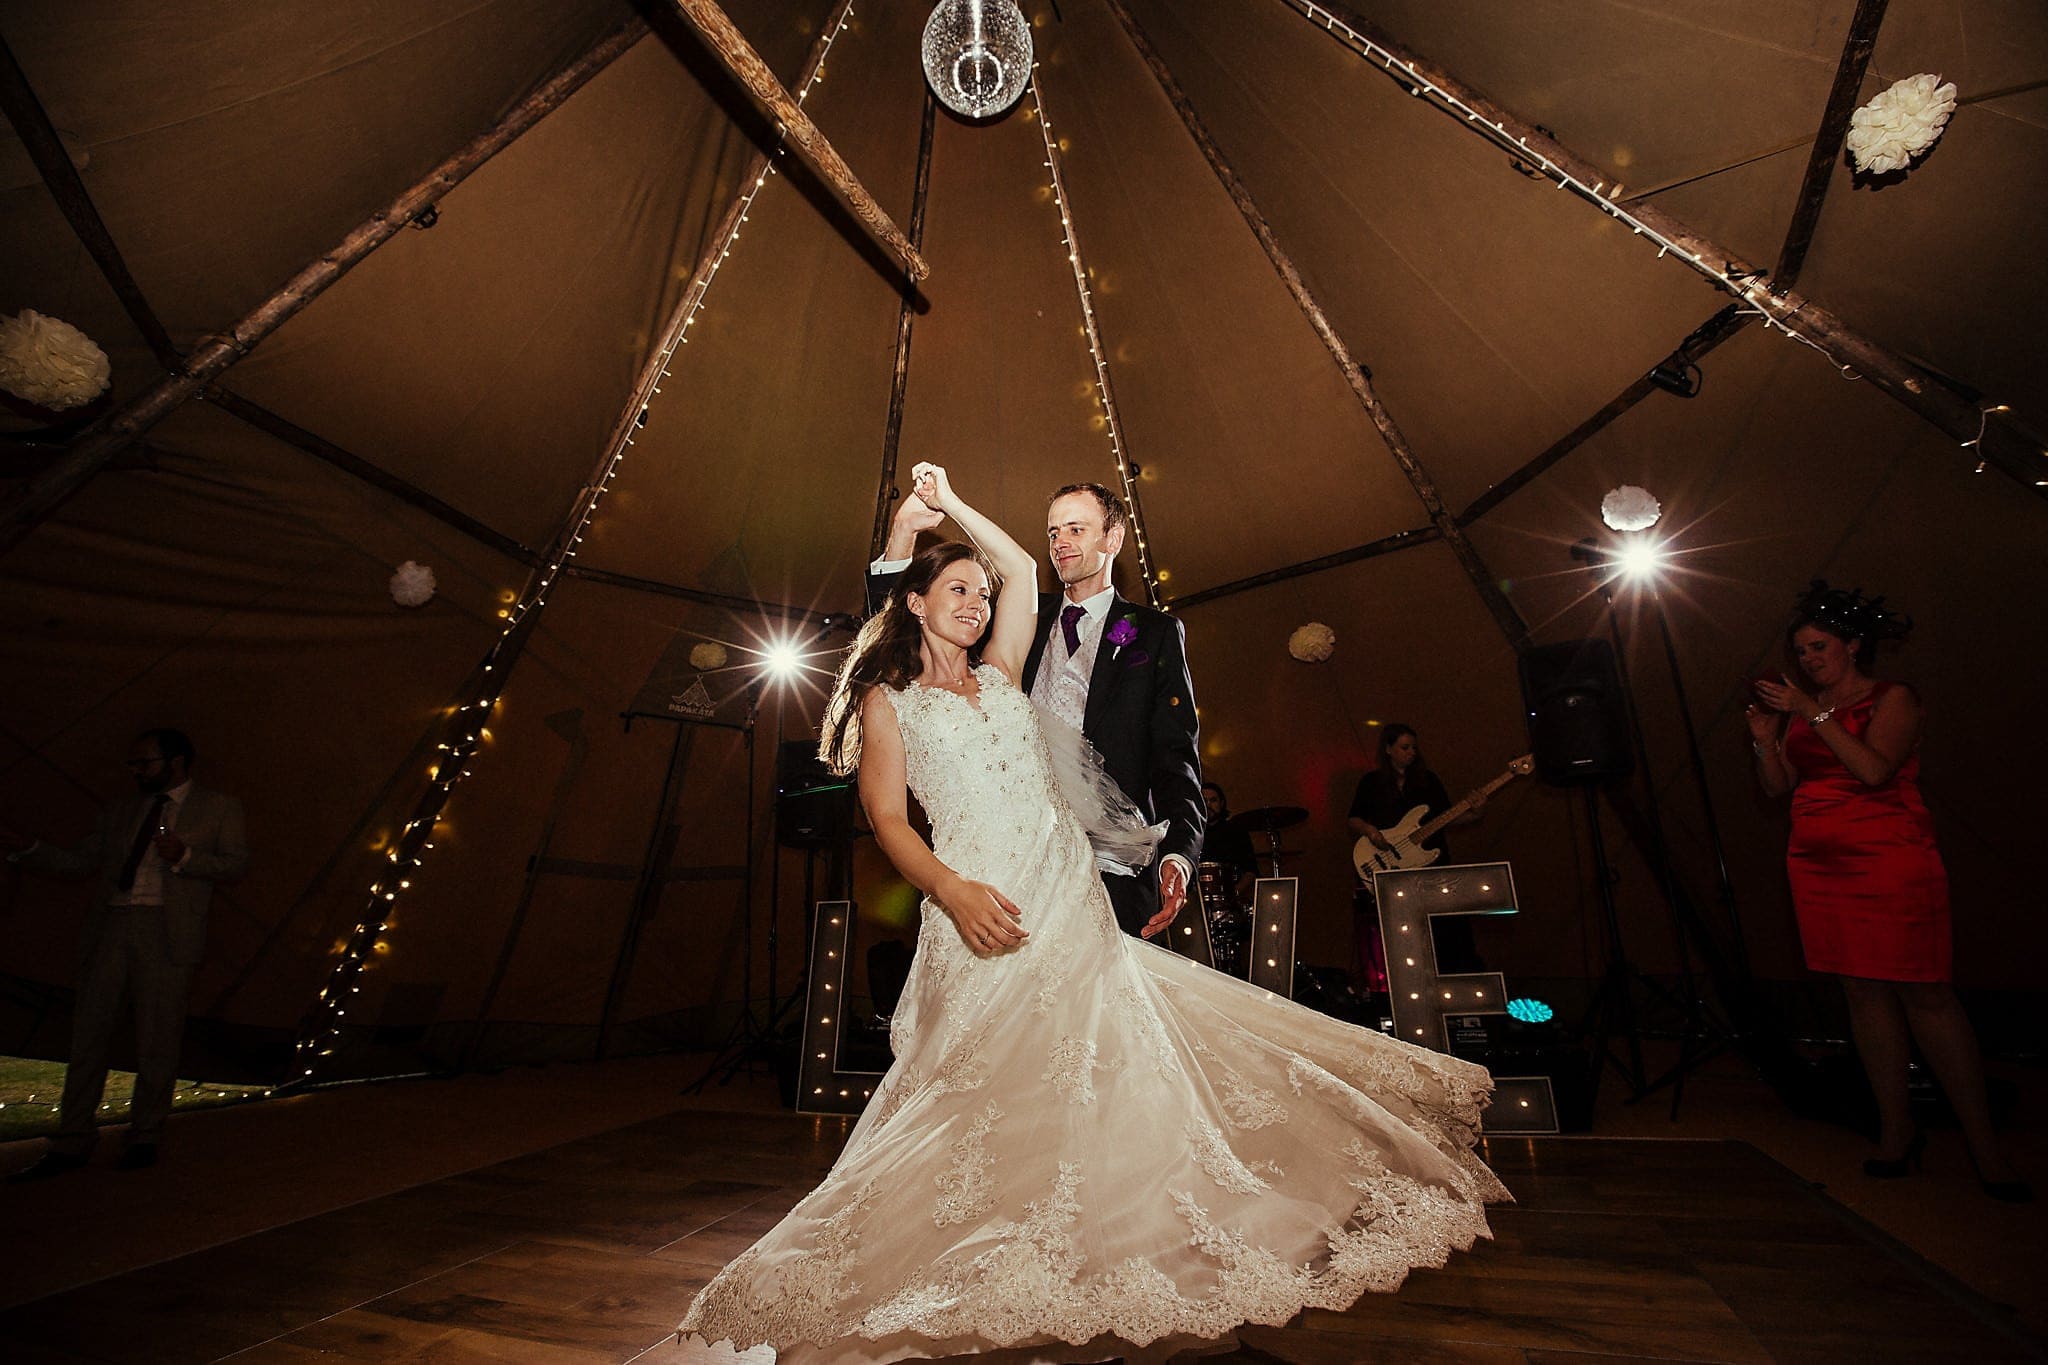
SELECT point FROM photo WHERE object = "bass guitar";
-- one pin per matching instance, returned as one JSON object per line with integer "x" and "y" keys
{"x": 1408, "y": 836}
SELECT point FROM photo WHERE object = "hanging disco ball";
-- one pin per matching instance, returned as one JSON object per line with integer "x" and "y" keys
{"x": 977, "y": 55}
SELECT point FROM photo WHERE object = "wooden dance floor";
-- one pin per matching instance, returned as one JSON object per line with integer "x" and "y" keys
{"x": 588, "y": 1252}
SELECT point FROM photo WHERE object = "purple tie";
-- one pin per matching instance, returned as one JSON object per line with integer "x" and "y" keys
{"x": 1070, "y": 626}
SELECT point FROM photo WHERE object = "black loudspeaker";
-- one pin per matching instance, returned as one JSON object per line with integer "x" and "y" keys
{"x": 1578, "y": 716}
{"x": 813, "y": 805}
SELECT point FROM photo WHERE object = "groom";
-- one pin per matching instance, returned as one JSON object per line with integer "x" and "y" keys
{"x": 1117, "y": 672}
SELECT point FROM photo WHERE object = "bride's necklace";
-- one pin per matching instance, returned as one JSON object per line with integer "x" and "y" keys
{"x": 958, "y": 682}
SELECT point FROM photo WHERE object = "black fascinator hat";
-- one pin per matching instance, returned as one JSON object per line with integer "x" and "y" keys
{"x": 1848, "y": 615}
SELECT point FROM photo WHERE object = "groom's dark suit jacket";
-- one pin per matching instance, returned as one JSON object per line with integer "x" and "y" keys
{"x": 1141, "y": 719}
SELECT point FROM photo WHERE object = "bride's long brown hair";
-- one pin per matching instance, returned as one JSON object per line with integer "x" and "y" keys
{"x": 886, "y": 653}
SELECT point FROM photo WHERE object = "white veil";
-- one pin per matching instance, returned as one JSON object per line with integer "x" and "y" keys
{"x": 1116, "y": 827}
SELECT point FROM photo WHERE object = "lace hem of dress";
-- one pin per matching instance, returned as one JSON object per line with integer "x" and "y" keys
{"x": 1029, "y": 1289}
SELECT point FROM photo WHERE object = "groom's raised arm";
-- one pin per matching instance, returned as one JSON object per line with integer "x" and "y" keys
{"x": 912, "y": 516}
{"x": 882, "y": 576}
{"x": 1176, "y": 762}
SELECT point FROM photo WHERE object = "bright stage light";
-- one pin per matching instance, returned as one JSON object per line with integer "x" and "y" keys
{"x": 1639, "y": 560}
{"x": 782, "y": 660}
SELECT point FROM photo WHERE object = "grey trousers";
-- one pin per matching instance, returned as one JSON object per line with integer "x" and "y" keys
{"x": 132, "y": 958}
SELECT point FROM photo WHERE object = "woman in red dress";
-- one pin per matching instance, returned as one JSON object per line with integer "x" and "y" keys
{"x": 1867, "y": 880}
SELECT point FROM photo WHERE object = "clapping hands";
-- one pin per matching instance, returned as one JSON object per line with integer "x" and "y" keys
{"x": 1781, "y": 696}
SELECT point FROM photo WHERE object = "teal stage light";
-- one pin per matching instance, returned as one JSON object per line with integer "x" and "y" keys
{"x": 1528, "y": 1011}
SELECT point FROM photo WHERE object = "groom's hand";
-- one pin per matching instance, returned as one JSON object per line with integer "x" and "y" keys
{"x": 913, "y": 515}
{"x": 1173, "y": 894}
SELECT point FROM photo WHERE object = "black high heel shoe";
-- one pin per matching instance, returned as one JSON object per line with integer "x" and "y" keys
{"x": 2013, "y": 1191}
{"x": 1894, "y": 1167}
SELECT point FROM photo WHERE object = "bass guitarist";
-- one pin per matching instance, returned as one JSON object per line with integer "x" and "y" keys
{"x": 1402, "y": 781}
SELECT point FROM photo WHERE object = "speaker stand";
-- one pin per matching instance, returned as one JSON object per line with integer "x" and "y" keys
{"x": 746, "y": 1044}
{"x": 1612, "y": 1014}
{"x": 1702, "y": 1033}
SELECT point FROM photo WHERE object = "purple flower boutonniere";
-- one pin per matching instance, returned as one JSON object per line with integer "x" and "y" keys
{"x": 1119, "y": 635}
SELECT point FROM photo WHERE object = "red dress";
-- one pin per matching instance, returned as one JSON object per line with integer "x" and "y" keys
{"x": 1867, "y": 881}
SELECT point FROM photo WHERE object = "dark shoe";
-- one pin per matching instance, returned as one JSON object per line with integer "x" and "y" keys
{"x": 137, "y": 1156}
{"x": 48, "y": 1167}
{"x": 2013, "y": 1191}
{"x": 1891, "y": 1168}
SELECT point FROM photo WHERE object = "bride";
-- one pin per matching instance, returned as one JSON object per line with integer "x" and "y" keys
{"x": 1087, "y": 1145}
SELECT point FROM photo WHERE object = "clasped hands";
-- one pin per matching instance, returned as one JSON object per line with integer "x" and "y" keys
{"x": 930, "y": 494}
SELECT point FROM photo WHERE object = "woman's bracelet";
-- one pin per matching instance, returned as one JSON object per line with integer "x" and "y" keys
{"x": 1820, "y": 716}
{"x": 1762, "y": 748}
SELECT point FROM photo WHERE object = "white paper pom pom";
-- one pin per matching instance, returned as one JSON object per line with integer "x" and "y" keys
{"x": 50, "y": 363}
{"x": 1312, "y": 643}
{"x": 707, "y": 655}
{"x": 1900, "y": 123}
{"x": 412, "y": 585}
{"x": 1629, "y": 508}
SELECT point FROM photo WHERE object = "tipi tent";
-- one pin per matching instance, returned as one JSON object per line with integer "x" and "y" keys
{"x": 1108, "y": 298}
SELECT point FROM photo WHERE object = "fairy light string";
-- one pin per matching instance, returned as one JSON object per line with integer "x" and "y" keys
{"x": 465, "y": 725}
{"x": 1105, "y": 396}
{"x": 1754, "y": 289}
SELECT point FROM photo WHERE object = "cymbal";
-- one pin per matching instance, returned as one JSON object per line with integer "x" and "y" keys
{"x": 1268, "y": 818}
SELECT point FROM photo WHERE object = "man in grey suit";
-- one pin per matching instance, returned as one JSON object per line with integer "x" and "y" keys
{"x": 157, "y": 856}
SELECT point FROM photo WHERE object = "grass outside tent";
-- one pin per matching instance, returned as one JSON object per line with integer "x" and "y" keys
{"x": 30, "y": 1089}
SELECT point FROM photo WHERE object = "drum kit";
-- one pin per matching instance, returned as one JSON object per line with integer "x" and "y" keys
{"x": 1228, "y": 916}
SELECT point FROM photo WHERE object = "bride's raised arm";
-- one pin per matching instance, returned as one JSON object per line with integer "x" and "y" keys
{"x": 1016, "y": 611}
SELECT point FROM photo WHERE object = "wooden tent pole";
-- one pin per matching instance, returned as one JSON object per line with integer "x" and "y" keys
{"x": 647, "y": 886}
{"x": 271, "y": 424}
{"x": 1703, "y": 339}
{"x": 899, "y": 379}
{"x": 1829, "y": 140}
{"x": 1400, "y": 540}
{"x": 1958, "y": 414}
{"x": 1820, "y": 166}
{"x": 1355, "y": 376}
{"x": 801, "y": 135}
{"x": 32, "y": 122}
{"x": 726, "y": 601}
{"x": 100, "y": 441}
{"x": 1827, "y": 149}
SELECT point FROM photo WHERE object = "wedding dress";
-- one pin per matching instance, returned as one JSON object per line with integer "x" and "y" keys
{"x": 1089, "y": 1137}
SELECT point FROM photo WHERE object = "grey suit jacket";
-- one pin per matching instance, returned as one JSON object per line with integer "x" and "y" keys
{"x": 209, "y": 822}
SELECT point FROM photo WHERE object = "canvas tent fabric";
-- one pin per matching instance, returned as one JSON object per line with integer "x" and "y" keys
{"x": 217, "y": 577}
